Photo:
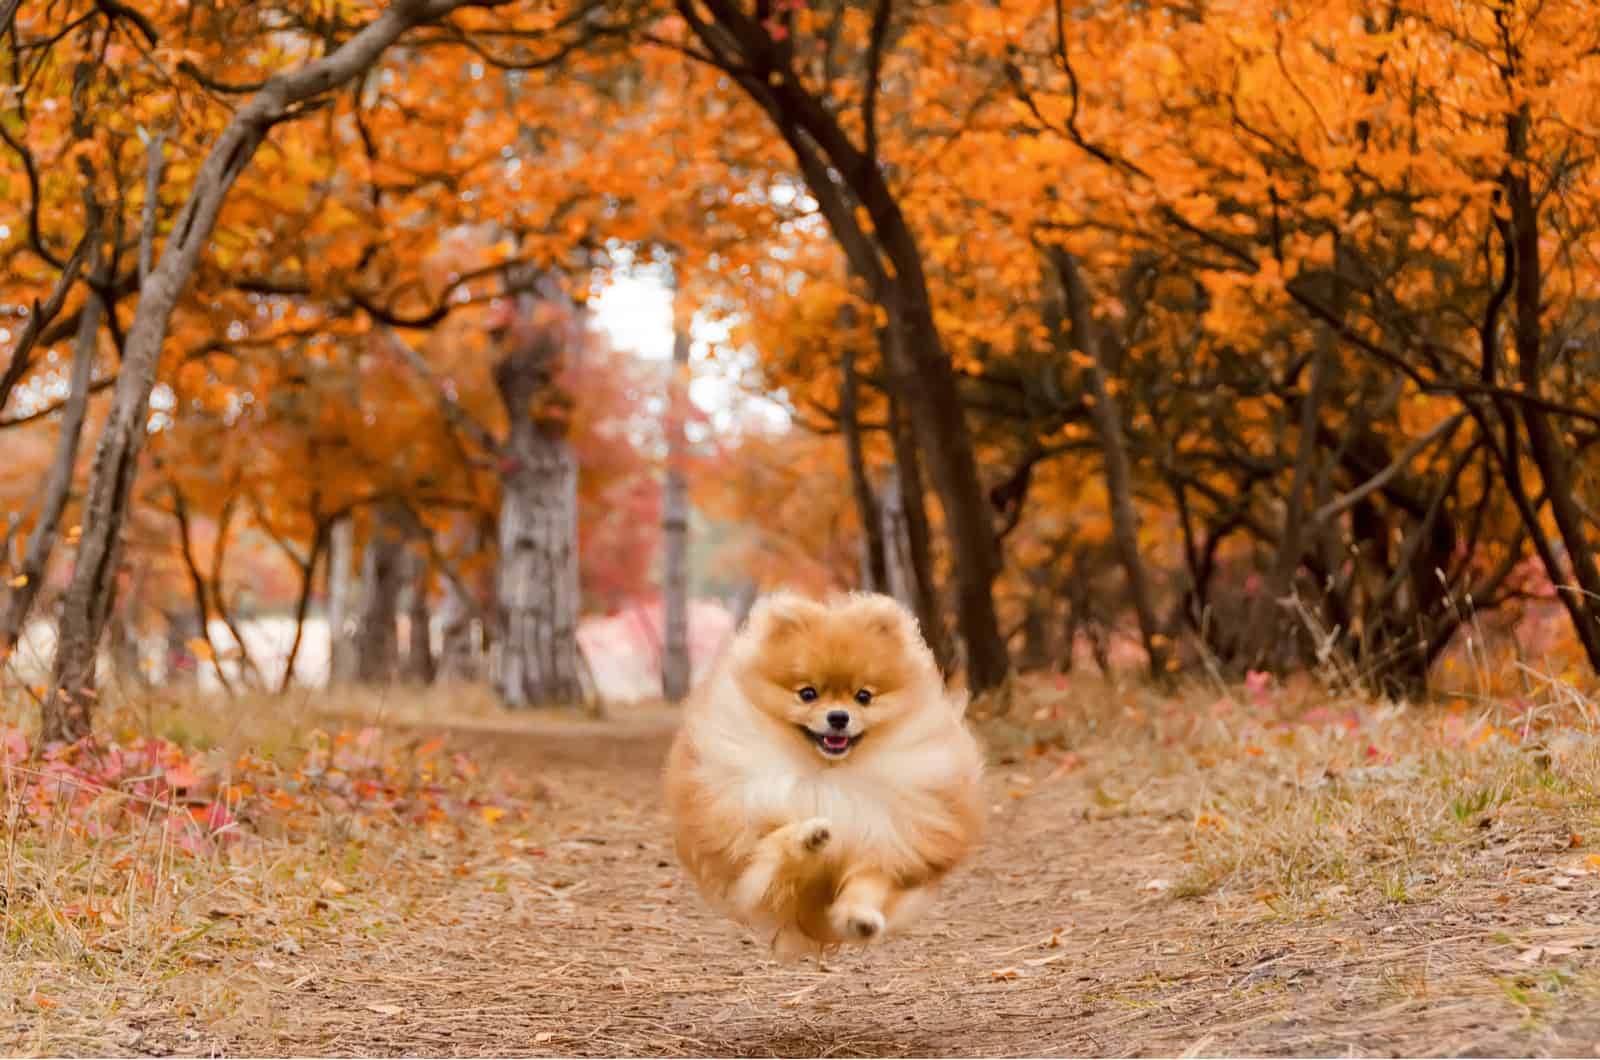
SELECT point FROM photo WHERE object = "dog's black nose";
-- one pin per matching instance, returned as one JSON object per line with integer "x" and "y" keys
{"x": 839, "y": 719}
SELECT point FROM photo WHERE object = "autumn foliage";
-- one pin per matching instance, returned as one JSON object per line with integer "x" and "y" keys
{"x": 1230, "y": 334}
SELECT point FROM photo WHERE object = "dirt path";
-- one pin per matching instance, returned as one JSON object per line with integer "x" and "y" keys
{"x": 596, "y": 945}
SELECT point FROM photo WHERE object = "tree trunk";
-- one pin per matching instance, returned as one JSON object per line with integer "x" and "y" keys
{"x": 302, "y": 605}
{"x": 535, "y": 656}
{"x": 419, "y": 643}
{"x": 743, "y": 601}
{"x": 197, "y": 585}
{"x": 459, "y": 650}
{"x": 58, "y": 482}
{"x": 1119, "y": 479}
{"x": 127, "y": 655}
{"x": 377, "y": 641}
{"x": 899, "y": 579}
{"x": 534, "y": 661}
{"x": 1579, "y": 585}
{"x": 918, "y": 569}
{"x": 249, "y": 672}
{"x": 872, "y": 524}
{"x": 926, "y": 384}
{"x": 1069, "y": 637}
{"x": 180, "y": 667}
{"x": 89, "y": 595}
{"x": 343, "y": 605}
{"x": 675, "y": 661}
{"x": 1262, "y": 636}
{"x": 1036, "y": 651}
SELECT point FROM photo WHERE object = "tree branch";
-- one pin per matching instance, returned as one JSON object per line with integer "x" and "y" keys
{"x": 452, "y": 410}
{"x": 1339, "y": 505}
{"x": 40, "y": 317}
{"x": 869, "y": 104}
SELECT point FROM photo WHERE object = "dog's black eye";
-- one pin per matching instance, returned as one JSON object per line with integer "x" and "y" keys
{"x": 863, "y": 696}
{"x": 808, "y": 694}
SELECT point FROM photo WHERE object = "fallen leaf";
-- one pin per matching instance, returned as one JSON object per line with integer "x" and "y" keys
{"x": 43, "y": 1001}
{"x": 19, "y": 581}
{"x": 199, "y": 647}
{"x": 181, "y": 776}
{"x": 1593, "y": 859}
{"x": 385, "y": 1010}
{"x": 491, "y": 814}
{"x": 1006, "y": 973}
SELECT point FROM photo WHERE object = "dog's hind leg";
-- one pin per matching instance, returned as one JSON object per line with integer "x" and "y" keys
{"x": 781, "y": 848}
{"x": 857, "y": 913}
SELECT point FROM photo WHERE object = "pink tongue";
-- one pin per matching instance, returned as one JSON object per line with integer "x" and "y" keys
{"x": 836, "y": 743}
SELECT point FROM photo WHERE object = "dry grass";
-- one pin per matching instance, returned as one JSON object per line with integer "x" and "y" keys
{"x": 1277, "y": 871}
{"x": 1316, "y": 801}
{"x": 112, "y": 892}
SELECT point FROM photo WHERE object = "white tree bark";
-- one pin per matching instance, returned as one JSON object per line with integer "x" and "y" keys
{"x": 675, "y": 662}
{"x": 535, "y": 657}
{"x": 534, "y": 661}
{"x": 896, "y": 543}
{"x": 383, "y": 572}
{"x": 459, "y": 643}
{"x": 343, "y": 602}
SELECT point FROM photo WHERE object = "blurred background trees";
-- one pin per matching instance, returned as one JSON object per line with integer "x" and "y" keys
{"x": 1161, "y": 338}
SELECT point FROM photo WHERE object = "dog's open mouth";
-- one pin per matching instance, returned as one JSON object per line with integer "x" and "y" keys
{"x": 832, "y": 744}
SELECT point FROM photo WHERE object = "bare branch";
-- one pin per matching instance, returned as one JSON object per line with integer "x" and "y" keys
{"x": 31, "y": 170}
{"x": 452, "y": 411}
{"x": 39, "y": 318}
{"x": 1339, "y": 505}
{"x": 152, "y": 202}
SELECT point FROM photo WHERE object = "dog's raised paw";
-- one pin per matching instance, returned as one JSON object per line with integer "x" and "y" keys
{"x": 815, "y": 834}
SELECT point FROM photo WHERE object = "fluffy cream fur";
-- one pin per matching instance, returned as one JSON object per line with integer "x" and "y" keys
{"x": 809, "y": 831}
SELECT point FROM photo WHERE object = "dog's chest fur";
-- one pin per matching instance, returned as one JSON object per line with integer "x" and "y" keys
{"x": 878, "y": 805}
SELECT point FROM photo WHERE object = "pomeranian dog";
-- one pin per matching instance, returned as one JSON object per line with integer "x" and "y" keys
{"x": 823, "y": 781}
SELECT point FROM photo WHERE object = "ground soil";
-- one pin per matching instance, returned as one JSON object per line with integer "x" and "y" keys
{"x": 1059, "y": 938}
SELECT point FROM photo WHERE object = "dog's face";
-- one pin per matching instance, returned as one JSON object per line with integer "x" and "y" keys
{"x": 837, "y": 675}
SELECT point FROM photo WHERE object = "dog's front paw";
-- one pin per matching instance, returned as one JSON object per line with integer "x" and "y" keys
{"x": 815, "y": 834}
{"x": 791, "y": 945}
{"x": 858, "y": 924}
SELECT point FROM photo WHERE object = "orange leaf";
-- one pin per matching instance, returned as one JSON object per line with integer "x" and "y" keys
{"x": 42, "y": 1001}
{"x": 199, "y": 646}
{"x": 491, "y": 814}
{"x": 1593, "y": 859}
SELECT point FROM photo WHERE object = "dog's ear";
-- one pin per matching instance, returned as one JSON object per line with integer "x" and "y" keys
{"x": 780, "y": 614}
{"x": 886, "y": 615}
